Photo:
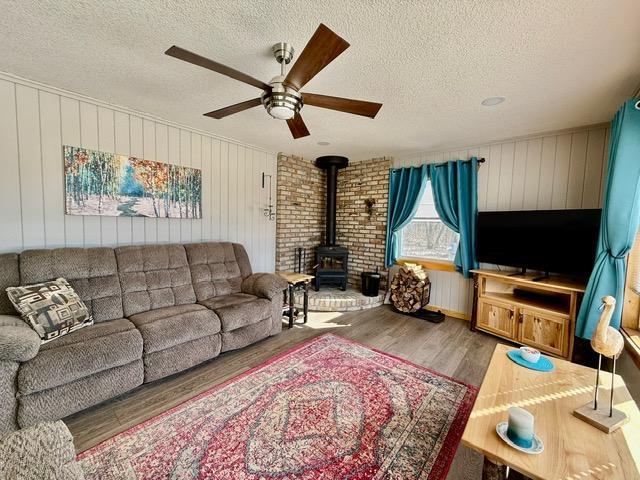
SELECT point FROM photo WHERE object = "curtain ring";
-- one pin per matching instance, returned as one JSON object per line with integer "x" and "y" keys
{"x": 637, "y": 105}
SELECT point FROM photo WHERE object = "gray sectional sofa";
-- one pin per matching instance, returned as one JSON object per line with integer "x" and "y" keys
{"x": 158, "y": 309}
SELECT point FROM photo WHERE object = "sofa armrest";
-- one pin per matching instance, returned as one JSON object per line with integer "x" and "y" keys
{"x": 44, "y": 450}
{"x": 18, "y": 342}
{"x": 264, "y": 285}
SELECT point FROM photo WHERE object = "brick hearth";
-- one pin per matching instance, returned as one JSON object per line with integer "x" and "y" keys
{"x": 335, "y": 300}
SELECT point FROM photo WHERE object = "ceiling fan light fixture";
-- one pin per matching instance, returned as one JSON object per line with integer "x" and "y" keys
{"x": 281, "y": 113}
{"x": 281, "y": 101}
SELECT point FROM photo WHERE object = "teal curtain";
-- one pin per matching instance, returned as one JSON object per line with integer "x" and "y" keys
{"x": 406, "y": 186}
{"x": 620, "y": 218}
{"x": 455, "y": 192}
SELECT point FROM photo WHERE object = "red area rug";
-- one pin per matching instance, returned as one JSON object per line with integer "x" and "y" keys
{"x": 327, "y": 409}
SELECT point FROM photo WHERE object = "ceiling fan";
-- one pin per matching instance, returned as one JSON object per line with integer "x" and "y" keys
{"x": 281, "y": 96}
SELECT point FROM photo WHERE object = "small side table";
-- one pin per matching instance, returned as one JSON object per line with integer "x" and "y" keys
{"x": 296, "y": 281}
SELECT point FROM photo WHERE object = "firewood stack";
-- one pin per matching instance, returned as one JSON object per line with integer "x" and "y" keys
{"x": 410, "y": 288}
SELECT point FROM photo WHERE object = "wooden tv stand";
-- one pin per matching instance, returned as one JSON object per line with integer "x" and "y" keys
{"x": 541, "y": 314}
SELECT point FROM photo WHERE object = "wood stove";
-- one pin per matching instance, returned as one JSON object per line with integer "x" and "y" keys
{"x": 331, "y": 260}
{"x": 332, "y": 266}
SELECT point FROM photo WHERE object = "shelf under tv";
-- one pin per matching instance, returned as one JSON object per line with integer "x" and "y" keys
{"x": 557, "y": 282}
{"x": 539, "y": 312}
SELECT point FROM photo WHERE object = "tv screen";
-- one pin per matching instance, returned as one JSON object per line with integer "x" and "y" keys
{"x": 556, "y": 241}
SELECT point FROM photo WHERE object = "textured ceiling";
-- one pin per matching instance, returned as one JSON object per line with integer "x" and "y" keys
{"x": 559, "y": 63}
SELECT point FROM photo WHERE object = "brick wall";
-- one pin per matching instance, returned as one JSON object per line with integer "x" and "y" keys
{"x": 363, "y": 233}
{"x": 301, "y": 212}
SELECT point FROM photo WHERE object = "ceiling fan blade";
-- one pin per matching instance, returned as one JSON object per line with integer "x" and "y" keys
{"x": 297, "y": 127}
{"x": 238, "y": 107}
{"x": 347, "y": 105}
{"x": 323, "y": 47}
{"x": 187, "y": 56}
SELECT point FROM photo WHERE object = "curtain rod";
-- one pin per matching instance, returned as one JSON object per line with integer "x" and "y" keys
{"x": 480, "y": 160}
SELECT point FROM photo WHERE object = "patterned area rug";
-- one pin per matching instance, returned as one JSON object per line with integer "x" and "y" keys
{"x": 327, "y": 409}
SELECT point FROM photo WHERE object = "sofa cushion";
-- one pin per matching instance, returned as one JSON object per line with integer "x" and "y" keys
{"x": 238, "y": 310}
{"x": 80, "y": 354}
{"x": 169, "y": 326}
{"x": 217, "y": 268}
{"x": 9, "y": 277}
{"x": 241, "y": 337}
{"x": 92, "y": 272}
{"x": 228, "y": 300}
{"x": 58, "y": 402}
{"x": 18, "y": 341}
{"x": 154, "y": 276}
{"x": 52, "y": 309}
{"x": 180, "y": 357}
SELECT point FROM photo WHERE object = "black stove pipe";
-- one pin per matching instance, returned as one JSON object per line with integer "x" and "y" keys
{"x": 332, "y": 190}
{"x": 331, "y": 164}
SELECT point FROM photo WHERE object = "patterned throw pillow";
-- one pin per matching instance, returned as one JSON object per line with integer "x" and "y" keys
{"x": 52, "y": 309}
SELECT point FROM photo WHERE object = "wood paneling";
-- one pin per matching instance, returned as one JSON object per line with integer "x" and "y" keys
{"x": 28, "y": 128}
{"x": 52, "y": 183}
{"x": 550, "y": 171}
{"x": 10, "y": 178}
{"x": 35, "y": 121}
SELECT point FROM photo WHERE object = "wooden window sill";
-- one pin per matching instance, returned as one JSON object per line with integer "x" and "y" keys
{"x": 429, "y": 264}
{"x": 632, "y": 343}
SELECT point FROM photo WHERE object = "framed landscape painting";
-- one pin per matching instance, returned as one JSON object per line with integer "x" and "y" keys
{"x": 99, "y": 183}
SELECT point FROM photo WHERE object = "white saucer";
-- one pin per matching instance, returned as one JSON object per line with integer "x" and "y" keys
{"x": 536, "y": 448}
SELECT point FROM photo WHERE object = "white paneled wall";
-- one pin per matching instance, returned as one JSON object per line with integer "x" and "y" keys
{"x": 35, "y": 121}
{"x": 551, "y": 171}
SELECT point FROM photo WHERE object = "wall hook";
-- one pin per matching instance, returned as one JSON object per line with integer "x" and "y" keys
{"x": 268, "y": 211}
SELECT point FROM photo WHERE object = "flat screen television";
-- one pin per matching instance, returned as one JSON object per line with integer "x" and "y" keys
{"x": 551, "y": 241}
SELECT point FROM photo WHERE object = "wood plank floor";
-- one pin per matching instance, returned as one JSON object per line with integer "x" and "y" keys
{"x": 448, "y": 347}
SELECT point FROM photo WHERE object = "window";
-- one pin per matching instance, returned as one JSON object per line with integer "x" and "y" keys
{"x": 633, "y": 267}
{"x": 426, "y": 236}
{"x": 631, "y": 303}
{"x": 631, "y": 306}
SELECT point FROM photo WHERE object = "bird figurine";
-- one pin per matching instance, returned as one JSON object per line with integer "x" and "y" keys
{"x": 608, "y": 342}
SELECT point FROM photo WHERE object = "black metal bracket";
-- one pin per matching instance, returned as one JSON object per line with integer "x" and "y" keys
{"x": 269, "y": 211}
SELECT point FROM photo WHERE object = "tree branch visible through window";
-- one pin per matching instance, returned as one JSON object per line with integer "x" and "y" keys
{"x": 426, "y": 236}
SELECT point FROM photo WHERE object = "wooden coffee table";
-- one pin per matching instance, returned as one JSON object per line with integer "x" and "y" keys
{"x": 573, "y": 449}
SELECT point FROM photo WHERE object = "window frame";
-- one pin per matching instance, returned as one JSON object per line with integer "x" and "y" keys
{"x": 630, "y": 324}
